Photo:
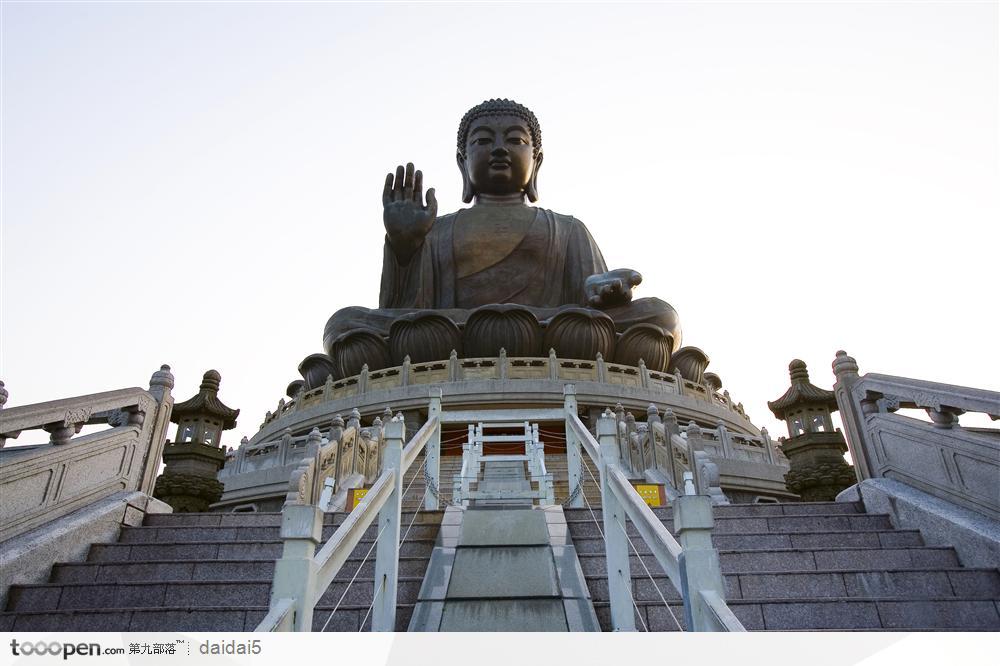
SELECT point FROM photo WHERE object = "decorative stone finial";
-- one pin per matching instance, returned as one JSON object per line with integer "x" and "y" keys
{"x": 315, "y": 437}
{"x": 844, "y": 364}
{"x": 4, "y": 395}
{"x": 652, "y": 411}
{"x": 338, "y": 421}
{"x": 162, "y": 377}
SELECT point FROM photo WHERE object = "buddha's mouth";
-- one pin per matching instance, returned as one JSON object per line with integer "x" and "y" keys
{"x": 500, "y": 164}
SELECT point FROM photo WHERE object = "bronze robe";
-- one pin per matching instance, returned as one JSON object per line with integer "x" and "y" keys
{"x": 545, "y": 273}
{"x": 546, "y": 270}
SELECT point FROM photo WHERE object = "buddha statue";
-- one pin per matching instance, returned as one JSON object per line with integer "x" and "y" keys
{"x": 500, "y": 273}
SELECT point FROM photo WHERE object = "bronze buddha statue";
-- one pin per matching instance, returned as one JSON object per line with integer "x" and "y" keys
{"x": 499, "y": 261}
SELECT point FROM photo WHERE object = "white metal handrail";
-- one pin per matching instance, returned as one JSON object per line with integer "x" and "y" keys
{"x": 691, "y": 565}
{"x": 661, "y": 542}
{"x": 419, "y": 441}
{"x": 302, "y": 575}
{"x": 338, "y": 549}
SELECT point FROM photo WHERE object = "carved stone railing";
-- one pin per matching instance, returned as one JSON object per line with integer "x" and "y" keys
{"x": 503, "y": 368}
{"x": 343, "y": 451}
{"x": 940, "y": 458}
{"x": 674, "y": 450}
{"x": 41, "y": 483}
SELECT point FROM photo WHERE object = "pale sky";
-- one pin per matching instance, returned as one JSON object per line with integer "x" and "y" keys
{"x": 199, "y": 183}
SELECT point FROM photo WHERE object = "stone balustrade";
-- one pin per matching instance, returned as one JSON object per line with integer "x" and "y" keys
{"x": 940, "y": 458}
{"x": 505, "y": 369}
{"x": 41, "y": 483}
{"x": 338, "y": 453}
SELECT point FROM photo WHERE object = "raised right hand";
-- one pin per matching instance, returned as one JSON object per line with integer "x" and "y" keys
{"x": 407, "y": 220}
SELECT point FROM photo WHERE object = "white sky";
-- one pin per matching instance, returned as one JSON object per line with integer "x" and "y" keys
{"x": 199, "y": 184}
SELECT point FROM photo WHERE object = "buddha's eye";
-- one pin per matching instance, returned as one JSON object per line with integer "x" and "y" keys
{"x": 482, "y": 141}
{"x": 517, "y": 140}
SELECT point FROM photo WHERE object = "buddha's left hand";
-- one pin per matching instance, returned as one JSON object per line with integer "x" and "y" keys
{"x": 606, "y": 290}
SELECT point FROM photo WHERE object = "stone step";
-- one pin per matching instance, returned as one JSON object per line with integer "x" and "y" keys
{"x": 228, "y": 570}
{"x": 186, "y": 534}
{"x": 845, "y": 614}
{"x": 758, "y": 525}
{"x": 909, "y": 584}
{"x": 592, "y": 559}
{"x": 771, "y": 541}
{"x": 224, "y": 550}
{"x": 261, "y": 519}
{"x": 347, "y": 618}
{"x": 188, "y": 594}
{"x": 752, "y": 510}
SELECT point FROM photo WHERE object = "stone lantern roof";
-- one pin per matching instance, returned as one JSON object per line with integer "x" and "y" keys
{"x": 206, "y": 403}
{"x": 801, "y": 392}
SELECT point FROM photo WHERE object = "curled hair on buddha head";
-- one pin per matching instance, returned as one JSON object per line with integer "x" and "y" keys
{"x": 501, "y": 107}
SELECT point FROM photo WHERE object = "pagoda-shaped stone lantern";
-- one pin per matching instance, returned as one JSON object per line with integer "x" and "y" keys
{"x": 814, "y": 448}
{"x": 189, "y": 482}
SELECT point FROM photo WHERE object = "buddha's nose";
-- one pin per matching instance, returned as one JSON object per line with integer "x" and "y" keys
{"x": 499, "y": 149}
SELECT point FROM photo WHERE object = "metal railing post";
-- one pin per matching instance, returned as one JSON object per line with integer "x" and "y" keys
{"x": 432, "y": 454}
{"x": 699, "y": 562}
{"x": 615, "y": 539}
{"x": 387, "y": 548}
{"x": 295, "y": 572}
{"x": 573, "y": 459}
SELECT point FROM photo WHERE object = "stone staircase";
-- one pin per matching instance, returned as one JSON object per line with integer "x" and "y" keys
{"x": 808, "y": 566}
{"x": 212, "y": 572}
{"x": 822, "y": 566}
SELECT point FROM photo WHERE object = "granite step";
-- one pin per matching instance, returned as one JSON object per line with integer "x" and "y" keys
{"x": 192, "y": 570}
{"x": 592, "y": 559}
{"x": 233, "y": 520}
{"x": 190, "y": 594}
{"x": 224, "y": 550}
{"x": 751, "y": 510}
{"x": 770, "y": 540}
{"x": 907, "y": 584}
{"x": 843, "y": 614}
{"x": 760, "y": 524}
{"x": 187, "y": 534}
{"x": 347, "y": 618}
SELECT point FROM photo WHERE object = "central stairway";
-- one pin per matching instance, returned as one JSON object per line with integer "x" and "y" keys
{"x": 796, "y": 566}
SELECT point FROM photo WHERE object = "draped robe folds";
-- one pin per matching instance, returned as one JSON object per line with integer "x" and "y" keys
{"x": 547, "y": 269}
{"x": 545, "y": 273}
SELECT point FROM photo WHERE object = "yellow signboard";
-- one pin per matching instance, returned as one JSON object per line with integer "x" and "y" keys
{"x": 357, "y": 494}
{"x": 651, "y": 493}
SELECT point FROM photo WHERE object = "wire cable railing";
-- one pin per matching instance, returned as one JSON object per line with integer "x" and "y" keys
{"x": 637, "y": 555}
{"x": 302, "y": 575}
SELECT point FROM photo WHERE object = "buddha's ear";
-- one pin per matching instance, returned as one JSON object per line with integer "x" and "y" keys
{"x": 467, "y": 193}
{"x": 532, "y": 188}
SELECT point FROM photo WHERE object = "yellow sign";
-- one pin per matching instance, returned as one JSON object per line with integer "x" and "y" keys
{"x": 357, "y": 494}
{"x": 651, "y": 493}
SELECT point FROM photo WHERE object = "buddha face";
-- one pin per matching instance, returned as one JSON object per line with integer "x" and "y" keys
{"x": 499, "y": 159}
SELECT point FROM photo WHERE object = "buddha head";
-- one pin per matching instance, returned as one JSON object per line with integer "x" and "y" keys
{"x": 499, "y": 150}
